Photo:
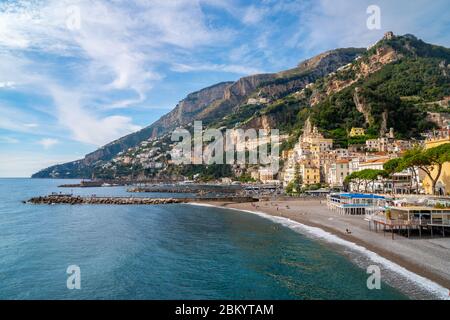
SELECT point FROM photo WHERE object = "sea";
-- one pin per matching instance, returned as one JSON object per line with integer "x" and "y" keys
{"x": 175, "y": 251}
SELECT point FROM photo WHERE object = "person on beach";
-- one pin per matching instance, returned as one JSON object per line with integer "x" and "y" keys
{"x": 348, "y": 231}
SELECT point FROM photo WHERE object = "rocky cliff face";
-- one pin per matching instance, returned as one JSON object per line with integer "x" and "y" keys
{"x": 354, "y": 73}
{"x": 382, "y": 56}
{"x": 246, "y": 86}
{"x": 362, "y": 106}
{"x": 189, "y": 109}
{"x": 391, "y": 85}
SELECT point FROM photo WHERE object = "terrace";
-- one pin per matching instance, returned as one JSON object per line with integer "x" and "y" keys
{"x": 423, "y": 219}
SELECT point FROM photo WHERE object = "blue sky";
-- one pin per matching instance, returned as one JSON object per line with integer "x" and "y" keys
{"x": 75, "y": 75}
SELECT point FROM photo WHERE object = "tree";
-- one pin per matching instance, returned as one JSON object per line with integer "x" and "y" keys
{"x": 407, "y": 162}
{"x": 431, "y": 162}
{"x": 366, "y": 176}
{"x": 355, "y": 178}
{"x": 391, "y": 167}
{"x": 295, "y": 185}
{"x": 370, "y": 176}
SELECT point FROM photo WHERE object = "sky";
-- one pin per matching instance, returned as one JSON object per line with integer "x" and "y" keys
{"x": 77, "y": 74}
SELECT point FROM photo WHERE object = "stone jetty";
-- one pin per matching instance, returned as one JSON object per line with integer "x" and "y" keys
{"x": 73, "y": 200}
{"x": 78, "y": 200}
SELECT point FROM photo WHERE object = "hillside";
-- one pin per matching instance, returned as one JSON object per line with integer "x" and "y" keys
{"x": 395, "y": 83}
{"x": 209, "y": 104}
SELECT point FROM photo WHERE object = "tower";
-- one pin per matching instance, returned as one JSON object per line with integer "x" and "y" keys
{"x": 391, "y": 133}
{"x": 389, "y": 35}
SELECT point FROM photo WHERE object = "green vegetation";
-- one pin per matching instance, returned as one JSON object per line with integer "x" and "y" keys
{"x": 205, "y": 172}
{"x": 246, "y": 178}
{"x": 241, "y": 115}
{"x": 294, "y": 187}
{"x": 365, "y": 177}
{"x": 381, "y": 92}
{"x": 429, "y": 161}
{"x": 398, "y": 90}
{"x": 361, "y": 139}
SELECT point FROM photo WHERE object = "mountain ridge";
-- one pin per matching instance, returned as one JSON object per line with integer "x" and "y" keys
{"x": 210, "y": 103}
{"x": 393, "y": 83}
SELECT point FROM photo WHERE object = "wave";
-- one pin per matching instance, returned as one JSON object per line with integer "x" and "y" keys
{"x": 430, "y": 286}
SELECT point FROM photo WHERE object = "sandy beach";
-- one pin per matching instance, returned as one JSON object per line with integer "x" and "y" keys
{"x": 426, "y": 257}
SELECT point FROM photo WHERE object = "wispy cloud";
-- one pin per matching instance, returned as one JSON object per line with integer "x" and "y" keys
{"x": 232, "y": 68}
{"x": 15, "y": 119}
{"x": 47, "y": 143}
{"x": 86, "y": 126}
{"x": 253, "y": 15}
{"x": 9, "y": 140}
{"x": 31, "y": 125}
{"x": 115, "y": 51}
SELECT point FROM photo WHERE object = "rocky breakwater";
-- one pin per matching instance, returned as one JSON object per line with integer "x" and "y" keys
{"x": 74, "y": 200}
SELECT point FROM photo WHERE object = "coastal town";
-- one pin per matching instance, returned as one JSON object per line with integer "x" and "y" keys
{"x": 314, "y": 165}
{"x": 382, "y": 195}
{"x": 389, "y": 181}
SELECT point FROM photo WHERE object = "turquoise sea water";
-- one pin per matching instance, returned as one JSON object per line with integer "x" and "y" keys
{"x": 162, "y": 252}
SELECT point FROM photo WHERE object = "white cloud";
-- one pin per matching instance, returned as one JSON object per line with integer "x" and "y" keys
{"x": 117, "y": 49}
{"x": 122, "y": 42}
{"x": 253, "y": 15}
{"x": 47, "y": 143}
{"x": 85, "y": 126}
{"x": 14, "y": 119}
{"x": 7, "y": 84}
{"x": 31, "y": 125}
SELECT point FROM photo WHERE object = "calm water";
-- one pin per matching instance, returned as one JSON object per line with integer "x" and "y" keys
{"x": 162, "y": 252}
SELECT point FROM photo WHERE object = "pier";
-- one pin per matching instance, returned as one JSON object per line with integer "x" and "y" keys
{"x": 79, "y": 200}
{"x": 433, "y": 220}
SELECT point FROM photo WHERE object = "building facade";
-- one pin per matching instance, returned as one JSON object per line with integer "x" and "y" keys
{"x": 443, "y": 184}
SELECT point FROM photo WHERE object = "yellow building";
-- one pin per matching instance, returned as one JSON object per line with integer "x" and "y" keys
{"x": 357, "y": 132}
{"x": 310, "y": 175}
{"x": 443, "y": 184}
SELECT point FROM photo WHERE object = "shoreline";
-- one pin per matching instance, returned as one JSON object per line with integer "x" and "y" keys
{"x": 325, "y": 228}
